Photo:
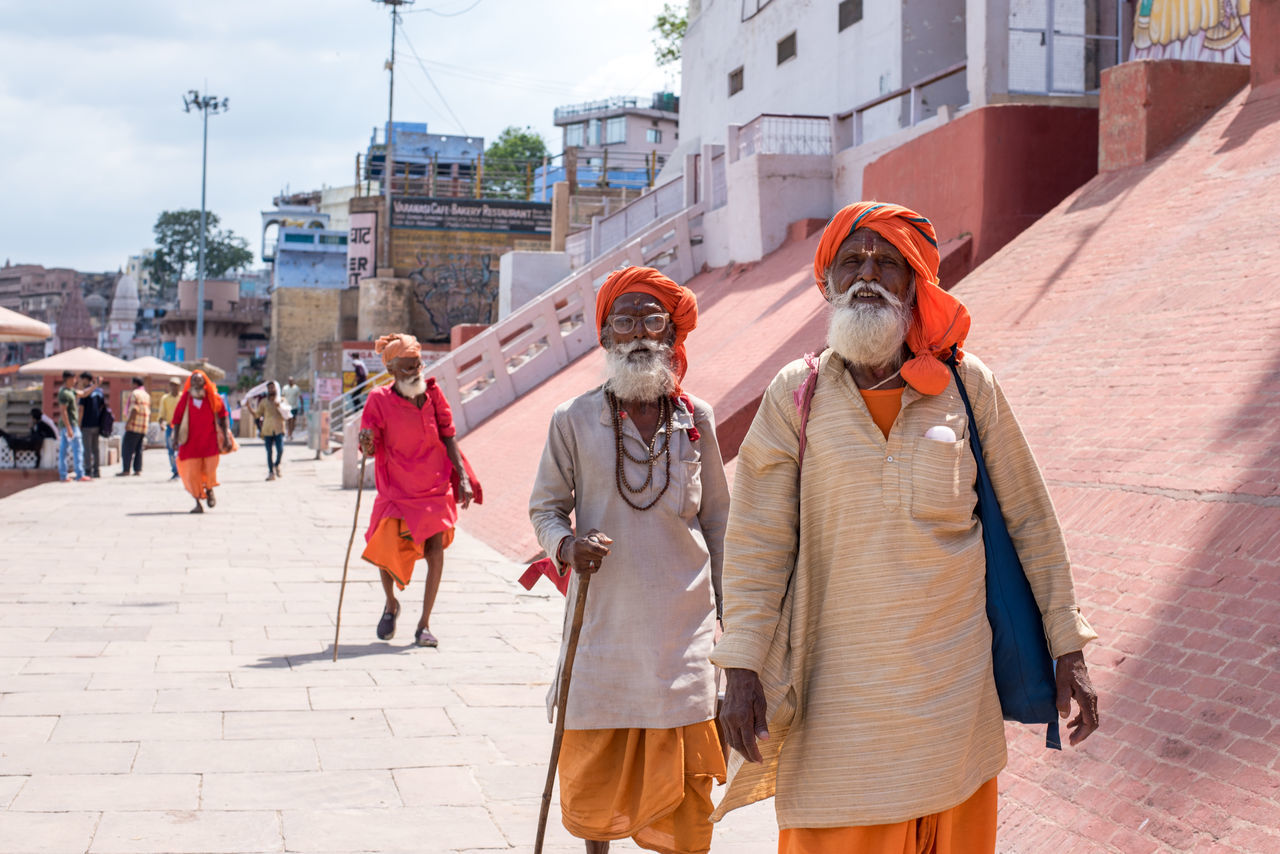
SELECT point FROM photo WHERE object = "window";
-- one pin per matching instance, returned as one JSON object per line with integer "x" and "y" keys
{"x": 735, "y": 81}
{"x": 573, "y": 134}
{"x": 615, "y": 130}
{"x": 850, "y": 13}
{"x": 750, "y": 8}
{"x": 334, "y": 239}
{"x": 653, "y": 135}
{"x": 787, "y": 48}
{"x": 593, "y": 132}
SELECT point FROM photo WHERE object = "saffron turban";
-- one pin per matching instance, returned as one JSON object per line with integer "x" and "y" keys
{"x": 677, "y": 301}
{"x": 394, "y": 346}
{"x": 939, "y": 320}
{"x": 210, "y": 393}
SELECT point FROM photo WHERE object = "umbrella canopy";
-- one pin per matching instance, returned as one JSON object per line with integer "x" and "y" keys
{"x": 80, "y": 359}
{"x": 16, "y": 327}
{"x": 150, "y": 366}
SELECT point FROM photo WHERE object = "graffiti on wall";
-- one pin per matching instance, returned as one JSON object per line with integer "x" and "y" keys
{"x": 1200, "y": 30}
{"x": 450, "y": 252}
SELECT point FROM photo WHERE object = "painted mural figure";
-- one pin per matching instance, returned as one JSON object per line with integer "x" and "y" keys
{"x": 1200, "y": 30}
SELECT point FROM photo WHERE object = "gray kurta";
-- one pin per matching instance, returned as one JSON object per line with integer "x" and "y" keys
{"x": 643, "y": 655}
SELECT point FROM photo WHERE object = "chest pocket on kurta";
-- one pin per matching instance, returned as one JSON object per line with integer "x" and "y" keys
{"x": 942, "y": 479}
{"x": 686, "y": 477}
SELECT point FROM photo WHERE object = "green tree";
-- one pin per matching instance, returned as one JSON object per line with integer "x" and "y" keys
{"x": 671, "y": 24}
{"x": 509, "y": 162}
{"x": 177, "y": 252}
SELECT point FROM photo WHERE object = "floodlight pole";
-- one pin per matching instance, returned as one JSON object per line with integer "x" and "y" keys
{"x": 206, "y": 104}
{"x": 389, "y": 162}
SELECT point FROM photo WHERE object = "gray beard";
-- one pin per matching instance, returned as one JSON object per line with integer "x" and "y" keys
{"x": 412, "y": 387}
{"x": 868, "y": 335}
{"x": 640, "y": 371}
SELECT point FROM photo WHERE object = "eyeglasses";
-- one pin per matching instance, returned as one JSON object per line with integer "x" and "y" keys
{"x": 625, "y": 324}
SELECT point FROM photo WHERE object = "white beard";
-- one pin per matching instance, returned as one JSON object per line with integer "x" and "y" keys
{"x": 868, "y": 335}
{"x": 412, "y": 387}
{"x": 640, "y": 371}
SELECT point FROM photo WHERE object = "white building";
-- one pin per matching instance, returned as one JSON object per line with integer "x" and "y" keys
{"x": 746, "y": 58}
{"x": 140, "y": 274}
{"x": 122, "y": 320}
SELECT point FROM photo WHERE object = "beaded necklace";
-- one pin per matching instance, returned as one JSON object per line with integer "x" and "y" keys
{"x": 666, "y": 422}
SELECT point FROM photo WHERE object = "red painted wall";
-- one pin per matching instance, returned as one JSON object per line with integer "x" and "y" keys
{"x": 990, "y": 173}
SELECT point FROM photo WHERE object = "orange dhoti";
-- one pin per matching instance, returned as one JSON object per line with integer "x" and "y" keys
{"x": 391, "y": 549}
{"x": 969, "y": 828}
{"x": 199, "y": 474}
{"x": 653, "y": 785}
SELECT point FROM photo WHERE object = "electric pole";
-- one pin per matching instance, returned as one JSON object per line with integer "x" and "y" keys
{"x": 389, "y": 162}
{"x": 206, "y": 104}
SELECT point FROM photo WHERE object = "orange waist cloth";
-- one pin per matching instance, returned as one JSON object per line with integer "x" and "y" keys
{"x": 392, "y": 549}
{"x": 968, "y": 828}
{"x": 884, "y": 404}
{"x": 653, "y": 785}
{"x": 199, "y": 474}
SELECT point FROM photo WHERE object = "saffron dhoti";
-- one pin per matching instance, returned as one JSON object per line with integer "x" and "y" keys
{"x": 968, "y": 828}
{"x": 391, "y": 548}
{"x": 653, "y": 785}
{"x": 199, "y": 474}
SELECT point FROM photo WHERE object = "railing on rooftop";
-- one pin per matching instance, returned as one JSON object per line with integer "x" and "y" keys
{"x": 610, "y": 231}
{"x": 666, "y": 101}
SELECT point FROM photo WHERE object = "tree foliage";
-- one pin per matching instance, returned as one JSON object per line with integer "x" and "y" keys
{"x": 671, "y": 24}
{"x": 509, "y": 162}
{"x": 177, "y": 252}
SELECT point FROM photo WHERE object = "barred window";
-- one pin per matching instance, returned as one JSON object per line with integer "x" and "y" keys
{"x": 787, "y": 48}
{"x": 735, "y": 81}
{"x": 850, "y": 13}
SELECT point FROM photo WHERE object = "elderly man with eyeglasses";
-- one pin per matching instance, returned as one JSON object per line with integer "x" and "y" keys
{"x": 636, "y": 464}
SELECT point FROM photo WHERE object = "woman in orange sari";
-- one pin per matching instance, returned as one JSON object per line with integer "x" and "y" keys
{"x": 203, "y": 433}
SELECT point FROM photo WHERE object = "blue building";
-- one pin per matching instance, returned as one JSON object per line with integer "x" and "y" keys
{"x": 305, "y": 253}
{"x": 426, "y": 164}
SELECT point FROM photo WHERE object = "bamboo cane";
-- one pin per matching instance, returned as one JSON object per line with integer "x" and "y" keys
{"x": 354, "y": 524}
{"x": 571, "y": 651}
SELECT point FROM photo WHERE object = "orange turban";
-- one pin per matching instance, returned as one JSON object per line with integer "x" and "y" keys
{"x": 394, "y": 346}
{"x": 678, "y": 301}
{"x": 939, "y": 320}
{"x": 210, "y": 393}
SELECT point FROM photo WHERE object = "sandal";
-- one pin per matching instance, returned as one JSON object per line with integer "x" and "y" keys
{"x": 209, "y": 499}
{"x": 387, "y": 625}
{"x": 423, "y": 637}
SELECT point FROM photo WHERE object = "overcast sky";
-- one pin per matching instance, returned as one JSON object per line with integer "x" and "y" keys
{"x": 94, "y": 142}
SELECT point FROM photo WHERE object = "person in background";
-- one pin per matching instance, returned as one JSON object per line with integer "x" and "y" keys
{"x": 168, "y": 403}
{"x": 293, "y": 396}
{"x": 70, "y": 439}
{"x": 42, "y": 427}
{"x": 92, "y": 403}
{"x": 137, "y": 415}
{"x": 268, "y": 410}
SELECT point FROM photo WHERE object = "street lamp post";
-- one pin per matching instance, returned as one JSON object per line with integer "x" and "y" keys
{"x": 389, "y": 161}
{"x": 206, "y": 104}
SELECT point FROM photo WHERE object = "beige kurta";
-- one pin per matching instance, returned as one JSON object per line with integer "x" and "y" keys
{"x": 881, "y": 648}
{"x": 643, "y": 655}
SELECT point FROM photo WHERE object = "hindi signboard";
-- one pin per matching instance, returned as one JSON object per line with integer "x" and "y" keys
{"x": 362, "y": 240}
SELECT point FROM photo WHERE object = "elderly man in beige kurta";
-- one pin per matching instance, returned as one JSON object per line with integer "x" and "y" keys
{"x": 884, "y": 729}
{"x": 641, "y": 474}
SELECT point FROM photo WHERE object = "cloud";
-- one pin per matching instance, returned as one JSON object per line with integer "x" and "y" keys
{"x": 97, "y": 144}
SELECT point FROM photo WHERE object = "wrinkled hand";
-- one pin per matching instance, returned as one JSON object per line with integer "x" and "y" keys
{"x": 366, "y": 442}
{"x": 743, "y": 714}
{"x": 585, "y": 553}
{"x": 465, "y": 492}
{"x": 1074, "y": 684}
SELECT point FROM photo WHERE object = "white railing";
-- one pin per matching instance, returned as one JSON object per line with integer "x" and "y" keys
{"x": 719, "y": 182}
{"x": 915, "y": 112}
{"x": 346, "y": 407}
{"x": 609, "y": 232}
{"x": 775, "y": 134}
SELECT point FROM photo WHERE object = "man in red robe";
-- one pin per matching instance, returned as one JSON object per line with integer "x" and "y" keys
{"x": 407, "y": 427}
{"x": 203, "y": 434}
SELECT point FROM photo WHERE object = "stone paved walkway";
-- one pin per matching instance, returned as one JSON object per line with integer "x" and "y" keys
{"x": 166, "y": 682}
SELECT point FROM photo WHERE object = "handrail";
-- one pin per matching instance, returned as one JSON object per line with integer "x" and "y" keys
{"x": 904, "y": 90}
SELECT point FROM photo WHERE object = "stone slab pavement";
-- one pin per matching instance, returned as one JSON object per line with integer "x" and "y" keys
{"x": 166, "y": 682}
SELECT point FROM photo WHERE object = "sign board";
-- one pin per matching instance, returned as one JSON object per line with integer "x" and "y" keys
{"x": 491, "y": 215}
{"x": 362, "y": 239}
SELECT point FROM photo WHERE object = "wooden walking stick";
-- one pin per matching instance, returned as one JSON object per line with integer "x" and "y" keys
{"x": 571, "y": 650}
{"x": 354, "y": 524}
